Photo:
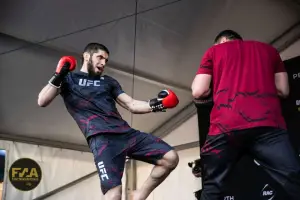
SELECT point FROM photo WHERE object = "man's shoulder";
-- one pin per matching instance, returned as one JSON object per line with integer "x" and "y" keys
{"x": 73, "y": 78}
{"x": 77, "y": 73}
{"x": 259, "y": 44}
{"x": 73, "y": 74}
{"x": 109, "y": 79}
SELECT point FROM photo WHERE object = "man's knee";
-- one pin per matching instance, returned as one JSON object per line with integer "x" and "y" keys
{"x": 170, "y": 160}
{"x": 114, "y": 193}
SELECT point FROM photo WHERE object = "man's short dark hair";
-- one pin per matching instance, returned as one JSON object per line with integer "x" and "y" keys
{"x": 229, "y": 34}
{"x": 94, "y": 47}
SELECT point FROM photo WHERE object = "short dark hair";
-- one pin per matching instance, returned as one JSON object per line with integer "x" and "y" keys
{"x": 229, "y": 34}
{"x": 94, "y": 47}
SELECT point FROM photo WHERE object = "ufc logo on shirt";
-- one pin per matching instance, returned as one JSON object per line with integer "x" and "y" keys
{"x": 102, "y": 171}
{"x": 85, "y": 82}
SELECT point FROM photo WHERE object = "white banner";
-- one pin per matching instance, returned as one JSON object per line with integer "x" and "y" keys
{"x": 59, "y": 167}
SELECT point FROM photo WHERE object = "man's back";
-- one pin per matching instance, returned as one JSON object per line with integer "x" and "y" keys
{"x": 244, "y": 90}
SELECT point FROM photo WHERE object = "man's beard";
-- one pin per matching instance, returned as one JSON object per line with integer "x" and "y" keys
{"x": 91, "y": 69}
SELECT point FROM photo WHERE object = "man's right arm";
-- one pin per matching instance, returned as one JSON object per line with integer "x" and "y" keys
{"x": 281, "y": 78}
{"x": 47, "y": 95}
{"x": 52, "y": 89}
{"x": 282, "y": 84}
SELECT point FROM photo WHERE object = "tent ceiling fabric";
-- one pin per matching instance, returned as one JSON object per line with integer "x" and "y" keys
{"x": 40, "y": 20}
{"x": 171, "y": 37}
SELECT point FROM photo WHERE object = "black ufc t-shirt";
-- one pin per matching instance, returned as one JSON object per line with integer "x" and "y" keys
{"x": 91, "y": 103}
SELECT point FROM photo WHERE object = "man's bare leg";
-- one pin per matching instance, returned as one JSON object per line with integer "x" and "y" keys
{"x": 114, "y": 193}
{"x": 159, "y": 173}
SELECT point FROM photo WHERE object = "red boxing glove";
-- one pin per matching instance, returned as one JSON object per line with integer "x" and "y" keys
{"x": 64, "y": 66}
{"x": 166, "y": 99}
{"x": 67, "y": 62}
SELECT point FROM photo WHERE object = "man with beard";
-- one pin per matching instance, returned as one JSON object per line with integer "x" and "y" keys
{"x": 90, "y": 99}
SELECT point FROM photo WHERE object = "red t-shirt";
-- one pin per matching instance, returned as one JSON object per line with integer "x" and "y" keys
{"x": 244, "y": 91}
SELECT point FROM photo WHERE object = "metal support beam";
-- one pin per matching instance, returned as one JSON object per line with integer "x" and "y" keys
{"x": 186, "y": 146}
{"x": 131, "y": 181}
{"x": 287, "y": 38}
{"x": 281, "y": 42}
{"x": 43, "y": 142}
{"x": 127, "y": 183}
{"x": 64, "y": 187}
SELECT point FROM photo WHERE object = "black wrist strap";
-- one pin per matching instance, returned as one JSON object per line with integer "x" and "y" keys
{"x": 57, "y": 78}
{"x": 207, "y": 101}
{"x": 156, "y": 105}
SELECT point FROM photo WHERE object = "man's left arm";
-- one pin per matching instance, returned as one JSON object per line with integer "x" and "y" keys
{"x": 132, "y": 105}
{"x": 202, "y": 81}
{"x": 165, "y": 99}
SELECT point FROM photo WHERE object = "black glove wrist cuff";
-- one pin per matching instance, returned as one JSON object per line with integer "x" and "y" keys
{"x": 203, "y": 101}
{"x": 56, "y": 80}
{"x": 156, "y": 105}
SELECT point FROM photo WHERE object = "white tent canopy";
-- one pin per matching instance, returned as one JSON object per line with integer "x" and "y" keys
{"x": 154, "y": 44}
